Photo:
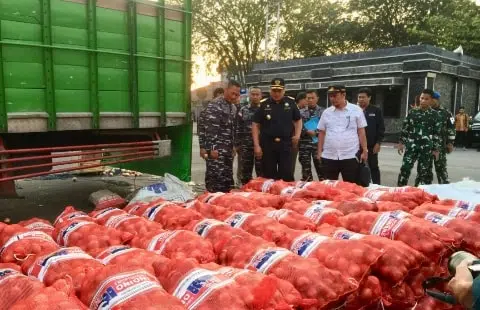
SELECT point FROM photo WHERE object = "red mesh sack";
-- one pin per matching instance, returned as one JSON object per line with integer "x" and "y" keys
{"x": 468, "y": 230}
{"x": 230, "y": 201}
{"x": 200, "y": 288}
{"x": 208, "y": 211}
{"x": 59, "y": 296}
{"x": 326, "y": 191}
{"x": 105, "y": 214}
{"x": 38, "y": 224}
{"x": 124, "y": 287}
{"x": 353, "y": 258}
{"x": 17, "y": 243}
{"x": 470, "y": 206}
{"x": 259, "y": 225}
{"x": 341, "y": 185}
{"x": 171, "y": 216}
{"x": 395, "y": 253}
{"x": 129, "y": 223}
{"x": 90, "y": 237}
{"x": 387, "y": 206}
{"x": 288, "y": 218}
{"x": 399, "y": 296}
{"x": 62, "y": 263}
{"x": 259, "y": 185}
{"x": 176, "y": 244}
{"x": 318, "y": 211}
{"x": 218, "y": 233}
{"x": 14, "y": 286}
{"x": 69, "y": 214}
{"x": 131, "y": 207}
{"x": 430, "y": 303}
{"x": 284, "y": 297}
{"x": 130, "y": 257}
{"x": 104, "y": 199}
{"x": 369, "y": 294}
{"x": 407, "y": 199}
{"x": 317, "y": 284}
{"x": 396, "y": 227}
{"x": 455, "y": 212}
{"x": 263, "y": 200}
{"x": 353, "y": 206}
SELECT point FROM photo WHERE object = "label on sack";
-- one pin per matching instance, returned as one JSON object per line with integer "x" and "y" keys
{"x": 399, "y": 214}
{"x": 288, "y": 191}
{"x": 103, "y": 213}
{"x": 243, "y": 194}
{"x": 264, "y": 259}
{"x": 118, "y": 289}
{"x": 267, "y": 185}
{"x": 197, "y": 285}
{"x": 231, "y": 273}
{"x": 466, "y": 205}
{"x": 316, "y": 211}
{"x": 387, "y": 225}
{"x": 303, "y": 184}
{"x": 307, "y": 243}
{"x": 41, "y": 266}
{"x": 460, "y": 213}
{"x": 203, "y": 228}
{"x": 190, "y": 204}
{"x": 39, "y": 226}
{"x": 237, "y": 219}
{"x": 160, "y": 241}
{"x": 346, "y": 235}
{"x": 8, "y": 273}
{"x": 116, "y": 220}
{"x": 63, "y": 236}
{"x": 32, "y": 235}
{"x": 330, "y": 183}
{"x": 374, "y": 194}
{"x": 212, "y": 197}
{"x": 112, "y": 252}
{"x": 77, "y": 215}
{"x": 278, "y": 214}
{"x": 365, "y": 199}
{"x": 437, "y": 218}
{"x": 151, "y": 213}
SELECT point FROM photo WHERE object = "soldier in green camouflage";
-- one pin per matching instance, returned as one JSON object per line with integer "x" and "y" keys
{"x": 447, "y": 137}
{"x": 420, "y": 140}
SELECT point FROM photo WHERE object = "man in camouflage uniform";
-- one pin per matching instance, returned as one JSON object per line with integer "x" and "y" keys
{"x": 243, "y": 137}
{"x": 447, "y": 137}
{"x": 307, "y": 148}
{"x": 218, "y": 141}
{"x": 421, "y": 137}
{"x": 217, "y": 93}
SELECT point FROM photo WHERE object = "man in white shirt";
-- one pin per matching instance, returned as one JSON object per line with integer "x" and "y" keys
{"x": 341, "y": 137}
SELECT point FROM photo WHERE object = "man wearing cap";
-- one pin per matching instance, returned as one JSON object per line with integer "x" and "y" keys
{"x": 276, "y": 130}
{"x": 243, "y": 137}
{"x": 218, "y": 139}
{"x": 420, "y": 140}
{"x": 341, "y": 136}
{"x": 447, "y": 136}
{"x": 307, "y": 147}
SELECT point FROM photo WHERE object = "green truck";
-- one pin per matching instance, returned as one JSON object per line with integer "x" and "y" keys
{"x": 107, "y": 78}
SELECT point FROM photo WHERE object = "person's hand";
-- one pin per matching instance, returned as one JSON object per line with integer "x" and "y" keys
{"x": 235, "y": 150}
{"x": 401, "y": 148}
{"x": 258, "y": 152}
{"x": 214, "y": 154}
{"x": 364, "y": 156}
{"x": 376, "y": 148}
{"x": 461, "y": 284}
{"x": 319, "y": 156}
{"x": 449, "y": 148}
{"x": 311, "y": 133}
{"x": 295, "y": 140}
{"x": 436, "y": 154}
{"x": 203, "y": 153}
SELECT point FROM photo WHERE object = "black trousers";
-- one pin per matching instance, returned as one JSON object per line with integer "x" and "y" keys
{"x": 461, "y": 137}
{"x": 373, "y": 164}
{"x": 347, "y": 167}
{"x": 277, "y": 159}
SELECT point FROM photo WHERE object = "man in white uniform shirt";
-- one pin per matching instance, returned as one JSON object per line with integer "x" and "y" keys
{"x": 342, "y": 137}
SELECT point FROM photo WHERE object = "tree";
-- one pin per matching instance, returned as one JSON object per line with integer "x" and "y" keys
{"x": 317, "y": 28}
{"x": 231, "y": 32}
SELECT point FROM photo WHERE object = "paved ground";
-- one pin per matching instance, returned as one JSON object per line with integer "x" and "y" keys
{"x": 48, "y": 196}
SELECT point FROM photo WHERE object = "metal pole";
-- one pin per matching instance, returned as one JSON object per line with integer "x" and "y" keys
{"x": 266, "y": 33}
{"x": 279, "y": 2}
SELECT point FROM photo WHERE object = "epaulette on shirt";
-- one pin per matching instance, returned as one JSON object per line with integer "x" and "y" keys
{"x": 263, "y": 100}
{"x": 291, "y": 98}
